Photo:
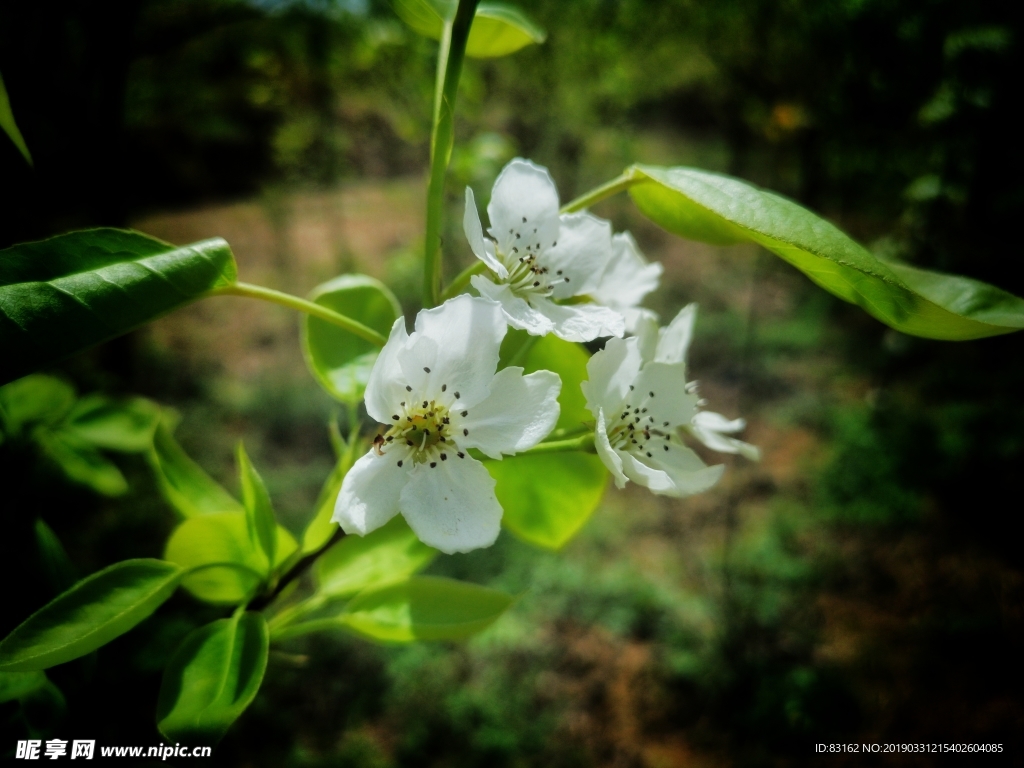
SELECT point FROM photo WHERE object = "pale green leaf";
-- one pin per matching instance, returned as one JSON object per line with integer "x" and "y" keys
{"x": 82, "y": 463}
{"x": 498, "y": 28}
{"x": 56, "y": 564}
{"x": 116, "y": 425}
{"x": 259, "y": 514}
{"x": 569, "y": 361}
{"x": 182, "y": 482}
{"x": 35, "y": 399}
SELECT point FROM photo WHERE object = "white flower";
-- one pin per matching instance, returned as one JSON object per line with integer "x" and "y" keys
{"x": 639, "y": 409}
{"x": 539, "y": 257}
{"x": 626, "y": 280}
{"x": 438, "y": 392}
{"x": 671, "y": 345}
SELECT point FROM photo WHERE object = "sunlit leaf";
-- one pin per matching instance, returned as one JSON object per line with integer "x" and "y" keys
{"x": 424, "y": 608}
{"x": 90, "y": 614}
{"x": 33, "y": 400}
{"x": 182, "y": 482}
{"x": 391, "y": 553}
{"x": 62, "y": 295}
{"x": 569, "y": 361}
{"x": 259, "y": 514}
{"x": 321, "y": 528}
{"x": 339, "y": 360}
{"x": 213, "y": 676}
{"x": 720, "y": 209}
{"x": 53, "y": 558}
{"x": 498, "y": 28}
{"x": 9, "y": 126}
{"x": 223, "y": 538}
{"x": 116, "y": 425}
{"x": 82, "y": 463}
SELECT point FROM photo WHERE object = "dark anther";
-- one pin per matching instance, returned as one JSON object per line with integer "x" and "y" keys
{"x": 465, "y": 414}
{"x": 643, "y": 410}
{"x": 558, "y": 272}
{"x": 461, "y": 455}
{"x": 395, "y": 417}
{"x": 554, "y": 244}
{"x": 567, "y": 279}
{"x": 465, "y": 433}
{"x": 402, "y": 403}
{"x": 408, "y": 388}
{"x": 445, "y": 420}
{"x": 457, "y": 395}
{"x": 637, "y": 419}
{"x": 425, "y": 404}
{"x": 649, "y": 455}
{"x": 636, "y": 410}
{"x": 517, "y": 235}
{"x": 433, "y": 464}
{"x": 630, "y": 387}
{"x": 427, "y": 370}
{"x": 515, "y": 250}
{"x": 444, "y": 387}
{"x": 444, "y": 457}
{"x": 389, "y": 438}
{"x": 443, "y": 440}
{"x": 665, "y": 447}
{"x": 651, "y": 394}
{"x": 665, "y": 424}
{"x": 399, "y": 462}
{"x": 536, "y": 284}
{"x": 409, "y": 443}
{"x": 524, "y": 219}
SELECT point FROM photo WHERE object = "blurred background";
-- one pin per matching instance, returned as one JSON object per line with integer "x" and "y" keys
{"x": 862, "y": 583}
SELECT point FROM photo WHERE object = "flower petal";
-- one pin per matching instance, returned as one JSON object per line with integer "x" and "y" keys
{"x": 674, "y": 341}
{"x": 670, "y": 401}
{"x": 712, "y": 428}
{"x": 646, "y": 331}
{"x": 581, "y": 322}
{"x": 609, "y": 375}
{"x": 582, "y": 254}
{"x": 452, "y": 506}
{"x": 483, "y": 249}
{"x": 611, "y": 458}
{"x": 370, "y": 491}
{"x": 517, "y": 312}
{"x": 385, "y": 385}
{"x": 455, "y": 346}
{"x": 519, "y": 413}
{"x": 667, "y": 479}
{"x": 627, "y": 279}
{"x": 524, "y": 202}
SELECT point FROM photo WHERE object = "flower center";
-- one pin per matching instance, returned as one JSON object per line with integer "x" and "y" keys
{"x": 528, "y": 277}
{"x": 421, "y": 432}
{"x": 635, "y": 430}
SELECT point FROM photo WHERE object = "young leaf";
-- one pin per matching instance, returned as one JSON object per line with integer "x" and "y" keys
{"x": 223, "y": 538}
{"x": 125, "y": 425}
{"x": 55, "y": 562}
{"x": 183, "y": 483}
{"x": 62, "y": 295}
{"x": 569, "y": 361}
{"x": 390, "y": 553}
{"x": 321, "y": 528}
{"x": 424, "y": 608}
{"x": 340, "y": 361}
{"x": 547, "y": 498}
{"x": 82, "y": 463}
{"x": 259, "y": 514}
{"x": 9, "y": 126}
{"x": 719, "y": 209}
{"x": 211, "y": 679}
{"x": 90, "y": 614}
{"x": 498, "y": 28}
{"x": 35, "y": 399}
{"x": 15, "y": 686}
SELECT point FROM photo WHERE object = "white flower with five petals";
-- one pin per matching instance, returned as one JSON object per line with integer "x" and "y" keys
{"x": 627, "y": 279}
{"x": 538, "y": 257}
{"x": 438, "y": 392}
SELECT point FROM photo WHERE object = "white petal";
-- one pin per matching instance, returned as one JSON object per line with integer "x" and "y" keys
{"x": 646, "y": 331}
{"x": 452, "y": 506}
{"x": 385, "y": 385}
{"x": 581, "y": 322}
{"x": 370, "y": 491}
{"x": 611, "y": 458}
{"x": 517, "y": 312}
{"x": 674, "y": 341}
{"x": 674, "y": 482}
{"x": 483, "y": 249}
{"x": 712, "y": 429}
{"x": 669, "y": 403}
{"x": 610, "y": 372}
{"x": 635, "y": 316}
{"x": 524, "y": 199}
{"x": 628, "y": 277}
{"x": 582, "y": 255}
{"x": 455, "y": 346}
{"x": 519, "y": 413}
{"x": 716, "y": 422}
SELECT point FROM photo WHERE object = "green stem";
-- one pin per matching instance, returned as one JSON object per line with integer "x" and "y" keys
{"x": 581, "y": 443}
{"x": 458, "y": 285}
{"x": 449, "y": 69}
{"x": 294, "y": 302}
{"x": 613, "y": 187}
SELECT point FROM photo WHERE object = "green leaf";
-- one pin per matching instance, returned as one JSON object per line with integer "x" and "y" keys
{"x": 223, "y": 537}
{"x": 9, "y": 126}
{"x": 82, "y": 463}
{"x": 213, "y": 676}
{"x": 548, "y": 497}
{"x": 720, "y": 209}
{"x": 391, "y": 553}
{"x": 259, "y": 514}
{"x": 116, "y": 425}
{"x": 182, "y": 482}
{"x": 35, "y": 399}
{"x": 569, "y": 361}
{"x": 15, "y": 686}
{"x": 321, "y": 528}
{"x": 424, "y": 608}
{"x": 54, "y": 560}
{"x": 339, "y": 360}
{"x": 90, "y": 614}
{"x": 498, "y": 28}
{"x": 62, "y": 295}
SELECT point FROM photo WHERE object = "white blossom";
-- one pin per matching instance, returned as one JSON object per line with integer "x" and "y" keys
{"x": 437, "y": 391}
{"x": 626, "y": 280}
{"x": 538, "y": 257}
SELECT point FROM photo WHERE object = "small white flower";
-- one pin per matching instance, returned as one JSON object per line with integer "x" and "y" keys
{"x": 438, "y": 392}
{"x": 639, "y": 410}
{"x": 626, "y": 280}
{"x": 539, "y": 257}
{"x": 671, "y": 345}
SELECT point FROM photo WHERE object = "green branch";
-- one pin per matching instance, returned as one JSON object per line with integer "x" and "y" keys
{"x": 458, "y": 285}
{"x": 613, "y": 187}
{"x": 581, "y": 443}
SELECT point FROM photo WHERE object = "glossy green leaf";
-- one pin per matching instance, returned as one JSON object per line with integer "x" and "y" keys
{"x": 56, "y": 564}
{"x": 33, "y": 400}
{"x": 569, "y": 361}
{"x": 321, "y": 528}
{"x": 548, "y": 497}
{"x": 391, "y": 553}
{"x": 115, "y": 425}
{"x": 62, "y": 295}
{"x": 424, "y": 608}
{"x": 339, "y": 360}
{"x": 9, "y": 126}
{"x": 89, "y": 615}
{"x": 259, "y": 514}
{"x": 223, "y": 538}
{"x": 82, "y": 462}
{"x": 182, "y": 482}
{"x": 15, "y": 686}
{"x": 498, "y": 28}
{"x": 720, "y": 209}
{"x": 213, "y": 676}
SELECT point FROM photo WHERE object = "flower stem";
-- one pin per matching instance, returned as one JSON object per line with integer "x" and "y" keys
{"x": 581, "y": 443}
{"x": 294, "y": 302}
{"x": 449, "y": 69}
{"x": 462, "y": 280}
{"x": 596, "y": 195}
